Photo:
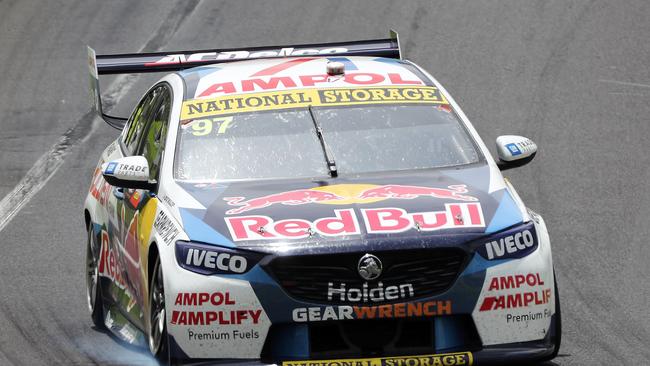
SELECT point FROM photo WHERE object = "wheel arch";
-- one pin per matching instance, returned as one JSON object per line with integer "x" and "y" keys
{"x": 87, "y": 217}
{"x": 151, "y": 257}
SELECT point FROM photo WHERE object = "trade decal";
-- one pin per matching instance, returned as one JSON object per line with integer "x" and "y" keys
{"x": 123, "y": 170}
{"x": 387, "y": 311}
{"x": 303, "y": 98}
{"x": 444, "y": 359}
{"x": 110, "y": 168}
{"x": 514, "y": 150}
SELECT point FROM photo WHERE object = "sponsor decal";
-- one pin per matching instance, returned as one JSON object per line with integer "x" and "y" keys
{"x": 209, "y": 259}
{"x": 444, "y": 359}
{"x": 208, "y": 57}
{"x": 275, "y": 100}
{"x": 515, "y": 306}
{"x": 378, "y": 293}
{"x": 531, "y": 291}
{"x": 218, "y": 316}
{"x": 352, "y": 79}
{"x": 510, "y": 244}
{"x": 213, "y": 317}
{"x": 345, "y": 222}
{"x": 165, "y": 227}
{"x": 513, "y": 243}
{"x": 387, "y": 311}
{"x": 213, "y": 335}
{"x": 108, "y": 264}
{"x": 213, "y": 260}
{"x": 530, "y": 316}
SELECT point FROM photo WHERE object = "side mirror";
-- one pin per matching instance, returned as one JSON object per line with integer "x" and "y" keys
{"x": 515, "y": 151}
{"x": 128, "y": 172}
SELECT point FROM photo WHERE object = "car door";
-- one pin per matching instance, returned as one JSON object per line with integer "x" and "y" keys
{"x": 123, "y": 292}
{"x": 136, "y": 213}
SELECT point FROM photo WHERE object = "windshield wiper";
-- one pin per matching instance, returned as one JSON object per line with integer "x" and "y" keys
{"x": 331, "y": 164}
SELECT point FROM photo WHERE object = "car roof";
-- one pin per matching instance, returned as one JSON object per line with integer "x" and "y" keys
{"x": 296, "y": 73}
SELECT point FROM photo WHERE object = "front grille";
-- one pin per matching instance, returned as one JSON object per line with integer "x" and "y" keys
{"x": 370, "y": 338}
{"x": 413, "y": 274}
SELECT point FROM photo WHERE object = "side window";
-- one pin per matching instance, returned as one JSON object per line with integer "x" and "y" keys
{"x": 137, "y": 123}
{"x": 153, "y": 143}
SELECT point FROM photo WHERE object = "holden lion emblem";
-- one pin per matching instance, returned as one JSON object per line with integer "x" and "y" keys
{"x": 369, "y": 267}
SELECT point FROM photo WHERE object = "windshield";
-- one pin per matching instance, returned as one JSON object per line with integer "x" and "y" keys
{"x": 368, "y": 138}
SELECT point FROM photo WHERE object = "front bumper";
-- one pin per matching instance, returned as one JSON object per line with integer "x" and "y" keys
{"x": 514, "y": 354}
{"x": 499, "y": 310}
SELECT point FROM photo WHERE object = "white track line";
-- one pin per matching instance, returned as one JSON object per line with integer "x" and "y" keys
{"x": 48, "y": 164}
{"x": 625, "y": 83}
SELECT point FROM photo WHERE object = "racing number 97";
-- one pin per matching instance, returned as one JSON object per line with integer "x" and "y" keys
{"x": 202, "y": 127}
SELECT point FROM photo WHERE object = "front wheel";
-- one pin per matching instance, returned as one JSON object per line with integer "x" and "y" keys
{"x": 157, "y": 320}
{"x": 558, "y": 321}
{"x": 556, "y": 337}
{"x": 93, "y": 289}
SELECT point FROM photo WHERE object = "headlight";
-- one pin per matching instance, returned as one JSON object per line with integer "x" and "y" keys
{"x": 210, "y": 259}
{"x": 515, "y": 242}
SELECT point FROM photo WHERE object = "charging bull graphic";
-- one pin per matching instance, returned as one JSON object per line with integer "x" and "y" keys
{"x": 304, "y": 196}
{"x": 292, "y": 198}
{"x": 411, "y": 192}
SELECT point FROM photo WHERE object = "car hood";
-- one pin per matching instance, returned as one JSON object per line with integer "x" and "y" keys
{"x": 401, "y": 210}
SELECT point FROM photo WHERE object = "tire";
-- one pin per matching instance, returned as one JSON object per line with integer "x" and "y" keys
{"x": 558, "y": 321}
{"x": 157, "y": 334}
{"x": 556, "y": 338}
{"x": 93, "y": 290}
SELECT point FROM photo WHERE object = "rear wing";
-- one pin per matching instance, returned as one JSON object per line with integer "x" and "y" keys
{"x": 179, "y": 60}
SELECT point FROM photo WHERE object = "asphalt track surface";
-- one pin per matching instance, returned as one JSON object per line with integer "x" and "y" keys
{"x": 572, "y": 75}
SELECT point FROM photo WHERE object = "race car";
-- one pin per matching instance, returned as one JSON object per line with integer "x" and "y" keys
{"x": 322, "y": 204}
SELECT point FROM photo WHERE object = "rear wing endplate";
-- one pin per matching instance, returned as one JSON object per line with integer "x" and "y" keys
{"x": 179, "y": 60}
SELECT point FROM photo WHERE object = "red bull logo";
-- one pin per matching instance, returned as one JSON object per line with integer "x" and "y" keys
{"x": 344, "y": 222}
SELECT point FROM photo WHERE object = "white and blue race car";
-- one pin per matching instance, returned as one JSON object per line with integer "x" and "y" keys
{"x": 324, "y": 204}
